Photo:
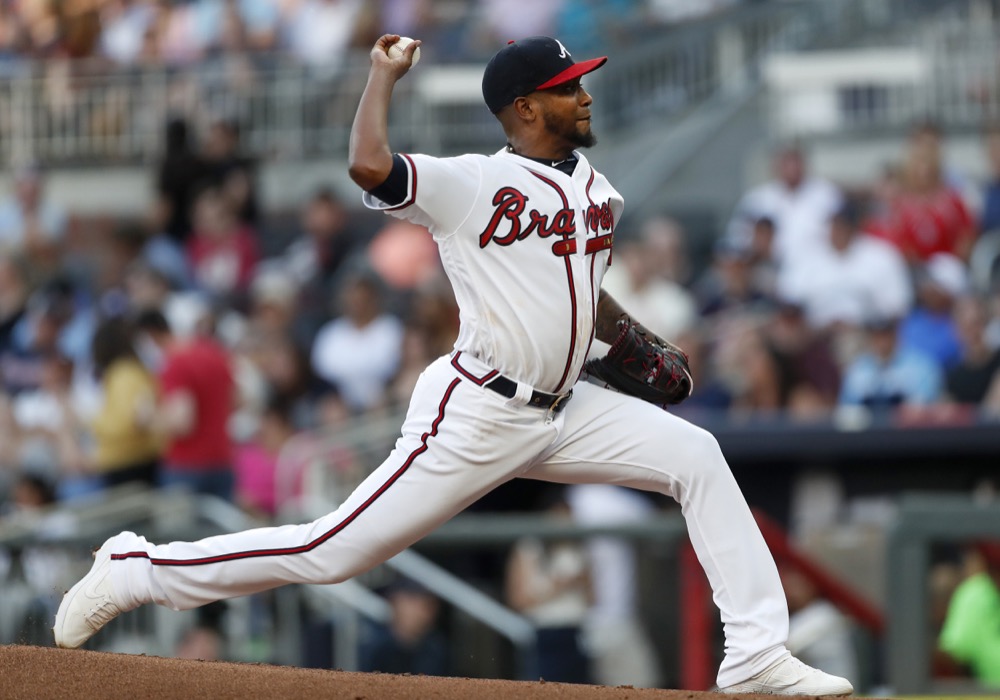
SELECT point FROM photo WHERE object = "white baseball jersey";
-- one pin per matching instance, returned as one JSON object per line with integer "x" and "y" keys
{"x": 525, "y": 247}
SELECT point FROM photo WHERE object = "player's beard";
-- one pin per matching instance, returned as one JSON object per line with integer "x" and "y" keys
{"x": 569, "y": 130}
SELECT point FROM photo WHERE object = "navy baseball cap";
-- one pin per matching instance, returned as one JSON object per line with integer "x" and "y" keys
{"x": 526, "y": 65}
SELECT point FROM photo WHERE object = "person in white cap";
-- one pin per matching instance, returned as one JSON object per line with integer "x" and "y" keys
{"x": 930, "y": 328}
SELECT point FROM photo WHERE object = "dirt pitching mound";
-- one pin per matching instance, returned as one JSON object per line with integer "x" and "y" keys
{"x": 36, "y": 672}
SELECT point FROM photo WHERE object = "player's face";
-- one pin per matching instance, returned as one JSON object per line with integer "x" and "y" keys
{"x": 567, "y": 114}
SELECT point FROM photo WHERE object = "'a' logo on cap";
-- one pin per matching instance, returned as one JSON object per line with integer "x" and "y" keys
{"x": 564, "y": 53}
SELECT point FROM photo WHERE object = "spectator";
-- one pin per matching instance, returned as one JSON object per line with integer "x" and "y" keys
{"x": 818, "y": 633}
{"x": 31, "y": 223}
{"x": 434, "y": 309}
{"x": 880, "y": 220}
{"x": 847, "y": 277}
{"x": 13, "y": 41}
{"x": 231, "y": 170}
{"x": 729, "y": 285}
{"x": 197, "y": 399}
{"x": 256, "y": 462}
{"x": 709, "y": 395}
{"x": 765, "y": 267}
{"x": 318, "y": 257}
{"x": 512, "y": 19}
{"x": 179, "y": 173}
{"x": 14, "y": 292}
{"x": 599, "y": 25}
{"x": 928, "y": 137}
{"x": 415, "y": 355}
{"x": 46, "y": 569}
{"x": 549, "y": 582}
{"x": 146, "y": 287}
{"x": 665, "y": 243}
{"x": 257, "y": 22}
{"x": 799, "y": 205}
{"x": 204, "y": 641}
{"x": 887, "y": 375}
{"x": 53, "y": 323}
{"x": 403, "y": 256}
{"x": 808, "y": 375}
{"x": 756, "y": 376}
{"x": 614, "y": 634}
{"x": 642, "y": 287}
{"x": 223, "y": 251}
{"x": 413, "y": 18}
{"x": 989, "y": 221}
{"x": 928, "y": 216}
{"x": 319, "y": 32}
{"x": 46, "y": 415}
{"x": 126, "y": 446}
{"x": 360, "y": 351}
{"x": 174, "y": 39}
{"x": 10, "y": 446}
{"x": 410, "y": 643}
{"x": 273, "y": 300}
{"x": 971, "y": 632}
{"x": 124, "y": 26}
{"x": 975, "y": 378}
{"x": 930, "y": 327}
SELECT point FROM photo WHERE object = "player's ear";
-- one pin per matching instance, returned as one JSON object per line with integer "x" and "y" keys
{"x": 525, "y": 108}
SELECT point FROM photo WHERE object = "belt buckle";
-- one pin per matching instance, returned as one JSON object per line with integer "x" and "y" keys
{"x": 560, "y": 402}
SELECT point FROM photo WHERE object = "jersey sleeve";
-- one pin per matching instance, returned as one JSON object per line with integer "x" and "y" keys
{"x": 440, "y": 192}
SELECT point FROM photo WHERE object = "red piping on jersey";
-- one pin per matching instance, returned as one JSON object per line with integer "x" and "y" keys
{"x": 471, "y": 377}
{"x": 309, "y": 546}
{"x": 594, "y": 245}
{"x": 569, "y": 278}
{"x": 593, "y": 303}
{"x": 412, "y": 197}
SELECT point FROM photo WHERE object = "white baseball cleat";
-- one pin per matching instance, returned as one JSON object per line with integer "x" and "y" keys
{"x": 91, "y": 603}
{"x": 789, "y": 676}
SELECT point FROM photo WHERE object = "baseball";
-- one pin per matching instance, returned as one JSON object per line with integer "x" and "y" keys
{"x": 396, "y": 50}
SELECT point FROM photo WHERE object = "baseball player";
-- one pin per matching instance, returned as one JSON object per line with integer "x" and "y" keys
{"x": 525, "y": 236}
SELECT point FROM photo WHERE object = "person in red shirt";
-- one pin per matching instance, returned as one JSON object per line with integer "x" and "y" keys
{"x": 197, "y": 399}
{"x": 925, "y": 215}
{"x": 222, "y": 250}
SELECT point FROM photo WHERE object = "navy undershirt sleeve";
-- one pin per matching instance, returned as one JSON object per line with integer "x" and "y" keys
{"x": 395, "y": 187}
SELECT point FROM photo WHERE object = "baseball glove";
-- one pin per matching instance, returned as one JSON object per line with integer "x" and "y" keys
{"x": 643, "y": 365}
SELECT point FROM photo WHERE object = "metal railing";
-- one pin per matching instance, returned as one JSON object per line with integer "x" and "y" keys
{"x": 949, "y": 72}
{"x": 170, "y": 515}
{"x": 83, "y": 112}
{"x": 924, "y": 521}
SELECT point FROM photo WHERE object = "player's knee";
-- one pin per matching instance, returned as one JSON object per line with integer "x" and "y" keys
{"x": 707, "y": 453}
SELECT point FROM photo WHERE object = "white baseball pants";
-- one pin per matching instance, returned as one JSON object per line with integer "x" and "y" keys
{"x": 459, "y": 441}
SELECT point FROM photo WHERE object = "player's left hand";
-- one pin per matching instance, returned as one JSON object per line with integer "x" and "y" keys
{"x": 644, "y": 365}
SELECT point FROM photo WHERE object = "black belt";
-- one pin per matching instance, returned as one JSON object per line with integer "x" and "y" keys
{"x": 539, "y": 399}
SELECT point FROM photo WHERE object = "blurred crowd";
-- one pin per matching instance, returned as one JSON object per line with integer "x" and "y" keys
{"x": 316, "y": 32}
{"x": 858, "y": 303}
{"x": 213, "y": 343}
{"x": 194, "y": 344}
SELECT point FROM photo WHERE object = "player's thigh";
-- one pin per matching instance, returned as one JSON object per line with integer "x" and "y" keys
{"x": 608, "y": 437}
{"x": 457, "y": 444}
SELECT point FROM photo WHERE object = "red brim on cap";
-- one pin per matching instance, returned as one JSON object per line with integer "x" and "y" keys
{"x": 574, "y": 72}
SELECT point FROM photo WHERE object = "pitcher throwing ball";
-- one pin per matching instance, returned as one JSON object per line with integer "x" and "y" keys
{"x": 525, "y": 236}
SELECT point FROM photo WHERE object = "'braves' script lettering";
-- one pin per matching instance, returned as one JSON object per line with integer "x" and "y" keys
{"x": 600, "y": 216}
{"x": 506, "y": 224}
